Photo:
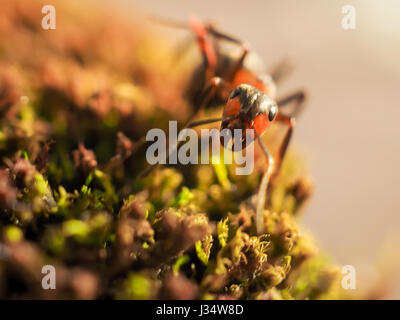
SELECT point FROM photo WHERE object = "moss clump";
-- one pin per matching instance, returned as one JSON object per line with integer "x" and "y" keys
{"x": 73, "y": 104}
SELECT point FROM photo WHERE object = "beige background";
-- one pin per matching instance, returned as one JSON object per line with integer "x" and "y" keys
{"x": 350, "y": 131}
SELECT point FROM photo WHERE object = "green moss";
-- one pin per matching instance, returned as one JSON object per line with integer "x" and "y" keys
{"x": 12, "y": 234}
{"x": 136, "y": 287}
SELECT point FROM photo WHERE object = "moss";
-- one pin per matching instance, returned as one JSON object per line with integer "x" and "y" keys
{"x": 12, "y": 234}
{"x": 70, "y": 194}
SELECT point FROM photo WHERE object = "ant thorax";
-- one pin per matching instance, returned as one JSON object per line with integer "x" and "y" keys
{"x": 253, "y": 102}
{"x": 228, "y": 55}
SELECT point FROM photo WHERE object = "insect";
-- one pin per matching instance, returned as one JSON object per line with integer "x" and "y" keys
{"x": 225, "y": 67}
{"x": 250, "y": 99}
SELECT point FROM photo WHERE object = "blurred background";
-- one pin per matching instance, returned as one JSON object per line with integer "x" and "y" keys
{"x": 349, "y": 132}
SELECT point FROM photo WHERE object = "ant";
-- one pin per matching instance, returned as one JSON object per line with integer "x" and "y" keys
{"x": 222, "y": 69}
{"x": 250, "y": 99}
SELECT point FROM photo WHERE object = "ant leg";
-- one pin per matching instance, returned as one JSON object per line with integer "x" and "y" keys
{"x": 206, "y": 48}
{"x": 298, "y": 97}
{"x": 281, "y": 70}
{"x": 183, "y": 25}
{"x": 215, "y": 83}
{"x": 209, "y": 93}
{"x": 272, "y": 169}
{"x": 168, "y": 22}
{"x": 220, "y": 35}
{"x": 282, "y": 150}
{"x": 200, "y": 30}
{"x": 207, "y": 121}
{"x": 149, "y": 170}
{"x": 190, "y": 125}
{"x": 290, "y": 121}
{"x": 245, "y": 49}
{"x": 239, "y": 63}
{"x": 138, "y": 144}
{"x": 184, "y": 45}
{"x": 263, "y": 187}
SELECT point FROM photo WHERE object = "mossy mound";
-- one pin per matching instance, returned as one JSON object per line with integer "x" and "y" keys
{"x": 73, "y": 103}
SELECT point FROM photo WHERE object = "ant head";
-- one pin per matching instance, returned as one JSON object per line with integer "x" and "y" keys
{"x": 254, "y": 102}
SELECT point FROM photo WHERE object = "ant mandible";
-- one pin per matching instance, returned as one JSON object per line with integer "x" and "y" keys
{"x": 250, "y": 98}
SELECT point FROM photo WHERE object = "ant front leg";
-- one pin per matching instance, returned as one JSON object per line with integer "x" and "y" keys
{"x": 263, "y": 186}
{"x": 273, "y": 168}
{"x": 215, "y": 83}
{"x": 211, "y": 91}
{"x": 212, "y": 120}
{"x": 189, "y": 125}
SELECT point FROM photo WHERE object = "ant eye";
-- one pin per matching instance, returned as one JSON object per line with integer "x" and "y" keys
{"x": 235, "y": 93}
{"x": 272, "y": 113}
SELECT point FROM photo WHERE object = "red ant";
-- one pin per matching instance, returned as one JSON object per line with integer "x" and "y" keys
{"x": 250, "y": 99}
